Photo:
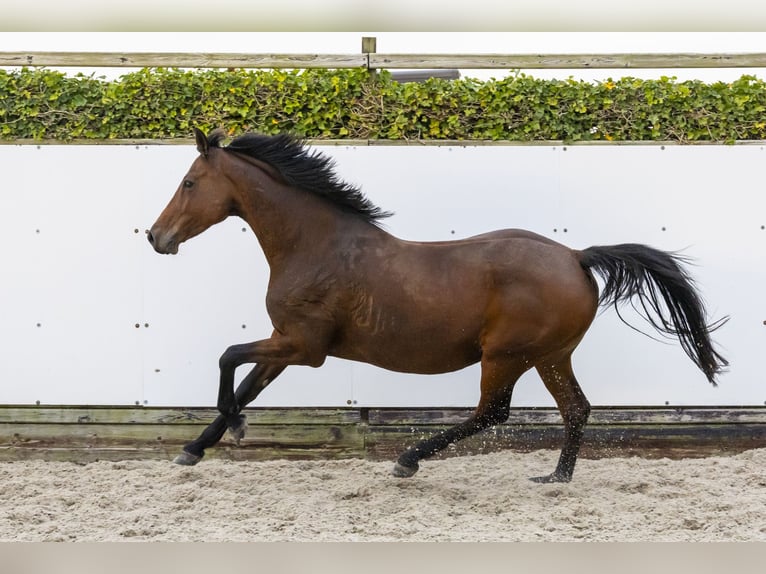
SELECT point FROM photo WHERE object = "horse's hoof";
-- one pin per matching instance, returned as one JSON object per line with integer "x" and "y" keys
{"x": 238, "y": 433}
{"x": 401, "y": 471}
{"x": 187, "y": 459}
{"x": 551, "y": 478}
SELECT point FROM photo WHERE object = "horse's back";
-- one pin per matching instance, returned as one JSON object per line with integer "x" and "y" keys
{"x": 502, "y": 290}
{"x": 500, "y": 234}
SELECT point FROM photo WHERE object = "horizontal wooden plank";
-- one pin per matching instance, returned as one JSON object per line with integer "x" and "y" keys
{"x": 599, "y": 416}
{"x": 92, "y": 435}
{"x": 618, "y": 433}
{"x": 618, "y": 440}
{"x": 568, "y": 61}
{"x": 85, "y": 415}
{"x": 168, "y": 452}
{"x": 109, "y": 433}
{"x": 181, "y": 60}
{"x": 23, "y": 431}
{"x": 381, "y": 60}
{"x": 88, "y": 415}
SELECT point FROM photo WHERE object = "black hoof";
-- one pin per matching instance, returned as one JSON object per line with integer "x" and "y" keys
{"x": 551, "y": 478}
{"x": 187, "y": 459}
{"x": 402, "y": 471}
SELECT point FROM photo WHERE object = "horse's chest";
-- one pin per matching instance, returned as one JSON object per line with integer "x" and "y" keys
{"x": 301, "y": 301}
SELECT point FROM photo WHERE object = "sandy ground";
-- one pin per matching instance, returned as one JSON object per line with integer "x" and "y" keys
{"x": 472, "y": 498}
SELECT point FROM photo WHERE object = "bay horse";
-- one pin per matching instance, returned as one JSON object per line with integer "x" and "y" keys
{"x": 341, "y": 286}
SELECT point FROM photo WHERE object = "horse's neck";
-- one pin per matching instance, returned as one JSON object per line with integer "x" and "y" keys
{"x": 292, "y": 223}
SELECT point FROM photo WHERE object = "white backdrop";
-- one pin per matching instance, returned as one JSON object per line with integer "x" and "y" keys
{"x": 92, "y": 315}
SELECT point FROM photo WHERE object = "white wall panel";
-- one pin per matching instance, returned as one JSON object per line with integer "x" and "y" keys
{"x": 71, "y": 288}
{"x": 74, "y": 264}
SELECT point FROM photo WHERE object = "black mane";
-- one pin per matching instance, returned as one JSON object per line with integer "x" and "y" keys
{"x": 307, "y": 170}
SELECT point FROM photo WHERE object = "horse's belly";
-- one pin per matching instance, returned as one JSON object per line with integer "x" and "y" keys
{"x": 411, "y": 352}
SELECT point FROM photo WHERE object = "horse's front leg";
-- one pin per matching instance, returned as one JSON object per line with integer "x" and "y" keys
{"x": 250, "y": 387}
{"x": 278, "y": 350}
{"x": 272, "y": 356}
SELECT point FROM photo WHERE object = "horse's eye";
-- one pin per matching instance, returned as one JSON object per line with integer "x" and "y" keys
{"x": 188, "y": 184}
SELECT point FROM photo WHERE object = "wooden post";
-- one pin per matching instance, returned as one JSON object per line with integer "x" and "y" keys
{"x": 369, "y": 46}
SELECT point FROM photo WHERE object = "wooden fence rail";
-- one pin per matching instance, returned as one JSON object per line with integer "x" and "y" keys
{"x": 380, "y": 61}
{"x": 82, "y": 433}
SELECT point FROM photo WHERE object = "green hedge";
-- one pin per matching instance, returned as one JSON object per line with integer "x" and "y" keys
{"x": 166, "y": 103}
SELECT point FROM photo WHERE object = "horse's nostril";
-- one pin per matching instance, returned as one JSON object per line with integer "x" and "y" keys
{"x": 150, "y": 237}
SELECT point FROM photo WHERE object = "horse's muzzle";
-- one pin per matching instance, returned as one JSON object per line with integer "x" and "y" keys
{"x": 162, "y": 242}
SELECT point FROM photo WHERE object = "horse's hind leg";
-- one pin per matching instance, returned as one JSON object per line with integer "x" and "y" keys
{"x": 560, "y": 381}
{"x": 497, "y": 382}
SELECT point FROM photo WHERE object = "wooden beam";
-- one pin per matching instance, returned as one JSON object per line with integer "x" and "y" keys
{"x": 600, "y": 416}
{"x": 374, "y": 60}
{"x": 86, "y": 433}
{"x": 567, "y": 61}
{"x": 180, "y": 60}
{"x": 107, "y": 415}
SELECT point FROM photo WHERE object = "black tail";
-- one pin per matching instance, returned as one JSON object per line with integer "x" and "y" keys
{"x": 666, "y": 293}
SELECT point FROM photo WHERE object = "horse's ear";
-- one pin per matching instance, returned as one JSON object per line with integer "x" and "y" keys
{"x": 203, "y": 146}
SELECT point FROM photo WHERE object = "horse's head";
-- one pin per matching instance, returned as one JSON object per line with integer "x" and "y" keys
{"x": 203, "y": 199}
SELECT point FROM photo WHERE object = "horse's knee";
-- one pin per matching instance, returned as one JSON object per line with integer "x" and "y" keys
{"x": 231, "y": 358}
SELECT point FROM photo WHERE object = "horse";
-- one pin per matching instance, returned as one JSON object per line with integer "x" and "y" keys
{"x": 340, "y": 285}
